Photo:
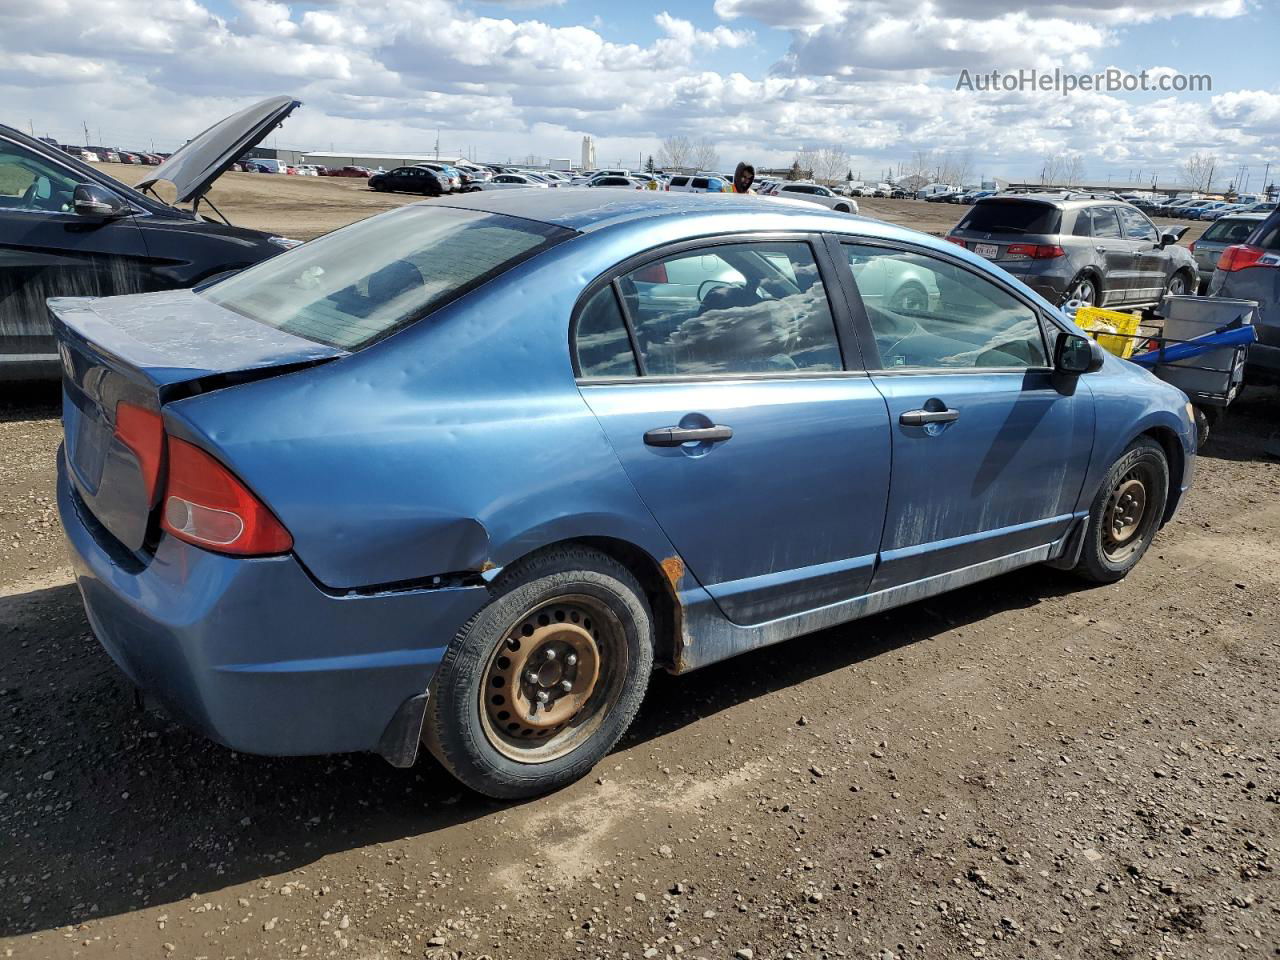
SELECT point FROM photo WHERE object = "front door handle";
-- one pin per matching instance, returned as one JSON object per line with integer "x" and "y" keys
{"x": 918, "y": 418}
{"x": 675, "y": 436}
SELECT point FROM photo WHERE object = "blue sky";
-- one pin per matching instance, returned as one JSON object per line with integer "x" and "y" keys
{"x": 756, "y": 79}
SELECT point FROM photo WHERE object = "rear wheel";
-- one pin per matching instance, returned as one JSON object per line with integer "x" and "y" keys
{"x": 1085, "y": 289}
{"x": 1126, "y": 513}
{"x": 542, "y": 682}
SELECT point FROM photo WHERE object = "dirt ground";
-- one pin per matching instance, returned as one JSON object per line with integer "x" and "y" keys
{"x": 1022, "y": 769}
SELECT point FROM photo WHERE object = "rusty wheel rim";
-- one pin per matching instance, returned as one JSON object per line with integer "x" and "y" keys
{"x": 552, "y": 679}
{"x": 1123, "y": 520}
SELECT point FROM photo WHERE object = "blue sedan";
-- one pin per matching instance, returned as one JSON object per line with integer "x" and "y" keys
{"x": 464, "y": 474}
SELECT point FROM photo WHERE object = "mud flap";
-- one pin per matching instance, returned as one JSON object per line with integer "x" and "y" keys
{"x": 399, "y": 742}
{"x": 1073, "y": 544}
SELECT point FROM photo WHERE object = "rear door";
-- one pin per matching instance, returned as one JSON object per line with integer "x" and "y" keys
{"x": 1114, "y": 252}
{"x": 988, "y": 453}
{"x": 47, "y": 250}
{"x": 760, "y": 452}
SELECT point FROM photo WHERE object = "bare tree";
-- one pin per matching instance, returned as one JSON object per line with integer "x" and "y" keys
{"x": 829, "y": 164}
{"x": 1058, "y": 170}
{"x": 803, "y": 164}
{"x": 1198, "y": 170}
{"x": 705, "y": 153}
{"x": 675, "y": 151}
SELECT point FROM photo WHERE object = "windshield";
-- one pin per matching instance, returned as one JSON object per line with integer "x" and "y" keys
{"x": 362, "y": 283}
{"x": 1012, "y": 216}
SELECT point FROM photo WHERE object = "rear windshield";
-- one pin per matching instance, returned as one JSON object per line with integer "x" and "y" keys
{"x": 1012, "y": 216}
{"x": 1228, "y": 230}
{"x": 364, "y": 282}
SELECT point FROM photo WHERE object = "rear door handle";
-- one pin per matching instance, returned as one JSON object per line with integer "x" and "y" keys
{"x": 918, "y": 418}
{"x": 675, "y": 436}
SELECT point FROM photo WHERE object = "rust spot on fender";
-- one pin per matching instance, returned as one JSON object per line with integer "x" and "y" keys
{"x": 673, "y": 567}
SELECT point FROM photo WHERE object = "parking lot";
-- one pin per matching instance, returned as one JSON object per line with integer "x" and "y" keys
{"x": 1024, "y": 768}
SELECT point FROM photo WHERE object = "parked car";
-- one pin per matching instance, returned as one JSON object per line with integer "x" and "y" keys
{"x": 67, "y": 229}
{"x": 684, "y": 183}
{"x": 449, "y": 177}
{"x": 414, "y": 179}
{"x": 512, "y": 181}
{"x": 1257, "y": 206}
{"x": 105, "y": 154}
{"x": 306, "y": 170}
{"x": 1226, "y": 232}
{"x": 628, "y": 183}
{"x": 383, "y": 559}
{"x": 816, "y": 193}
{"x": 351, "y": 171}
{"x": 1251, "y": 271}
{"x": 898, "y": 193}
{"x": 269, "y": 165}
{"x": 941, "y": 197}
{"x": 1099, "y": 252}
{"x": 1191, "y": 210}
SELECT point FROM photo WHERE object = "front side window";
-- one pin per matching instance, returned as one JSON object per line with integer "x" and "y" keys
{"x": 30, "y": 183}
{"x": 732, "y": 309}
{"x": 1136, "y": 226}
{"x": 928, "y": 312}
{"x": 364, "y": 282}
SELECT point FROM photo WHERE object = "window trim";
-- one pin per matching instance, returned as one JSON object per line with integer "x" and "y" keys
{"x": 866, "y": 335}
{"x": 846, "y": 338}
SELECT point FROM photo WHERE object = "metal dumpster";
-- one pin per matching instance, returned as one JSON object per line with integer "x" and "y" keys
{"x": 1212, "y": 378}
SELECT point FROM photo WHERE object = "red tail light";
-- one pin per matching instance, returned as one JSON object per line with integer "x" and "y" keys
{"x": 654, "y": 273}
{"x": 142, "y": 431}
{"x": 207, "y": 505}
{"x": 956, "y": 240}
{"x": 1192, "y": 246}
{"x": 1239, "y": 257}
{"x": 1036, "y": 251}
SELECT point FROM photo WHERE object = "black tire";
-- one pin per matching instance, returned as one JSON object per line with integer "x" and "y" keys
{"x": 911, "y": 297}
{"x": 561, "y": 589}
{"x": 1112, "y": 548}
{"x": 842, "y": 208}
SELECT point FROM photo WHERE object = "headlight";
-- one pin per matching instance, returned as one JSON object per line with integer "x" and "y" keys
{"x": 284, "y": 242}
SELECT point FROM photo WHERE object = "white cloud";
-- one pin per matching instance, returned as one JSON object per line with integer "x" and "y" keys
{"x": 873, "y": 78}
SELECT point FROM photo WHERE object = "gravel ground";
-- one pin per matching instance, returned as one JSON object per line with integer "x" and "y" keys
{"x": 1025, "y": 768}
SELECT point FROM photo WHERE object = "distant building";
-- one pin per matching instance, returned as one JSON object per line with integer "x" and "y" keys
{"x": 331, "y": 158}
{"x": 588, "y": 153}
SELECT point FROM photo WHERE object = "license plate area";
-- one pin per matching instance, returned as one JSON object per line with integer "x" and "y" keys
{"x": 988, "y": 250}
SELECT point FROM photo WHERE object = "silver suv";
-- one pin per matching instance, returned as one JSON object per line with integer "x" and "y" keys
{"x": 1071, "y": 246}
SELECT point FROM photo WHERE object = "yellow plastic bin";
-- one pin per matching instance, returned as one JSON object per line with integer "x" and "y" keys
{"x": 1113, "y": 330}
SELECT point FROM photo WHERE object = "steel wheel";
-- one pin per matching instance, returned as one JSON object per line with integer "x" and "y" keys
{"x": 1122, "y": 531}
{"x": 552, "y": 679}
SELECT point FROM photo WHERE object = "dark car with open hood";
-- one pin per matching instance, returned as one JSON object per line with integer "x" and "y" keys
{"x": 69, "y": 229}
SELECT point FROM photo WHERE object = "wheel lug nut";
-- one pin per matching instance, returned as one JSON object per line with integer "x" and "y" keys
{"x": 543, "y": 696}
{"x": 566, "y": 686}
{"x": 531, "y": 677}
{"x": 571, "y": 659}
{"x": 549, "y": 654}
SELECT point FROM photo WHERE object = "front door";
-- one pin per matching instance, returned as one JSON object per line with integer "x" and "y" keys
{"x": 47, "y": 250}
{"x": 1150, "y": 261}
{"x": 763, "y": 459}
{"x": 988, "y": 453}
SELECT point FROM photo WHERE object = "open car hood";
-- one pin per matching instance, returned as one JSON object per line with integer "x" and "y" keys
{"x": 194, "y": 166}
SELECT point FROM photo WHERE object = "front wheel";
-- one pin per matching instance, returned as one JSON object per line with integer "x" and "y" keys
{"x": 1126, "y": 513}
{"x": 546, "y": 678}
{"x": 1178, "y": 285}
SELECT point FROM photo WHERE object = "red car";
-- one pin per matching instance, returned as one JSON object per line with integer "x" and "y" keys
{"x": 363, "y": 172}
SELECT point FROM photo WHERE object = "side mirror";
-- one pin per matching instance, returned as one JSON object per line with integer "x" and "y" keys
{"x": 1076, "y": 355}
{"x": 1172, "y": 235}
{"x": 98, "y": 203}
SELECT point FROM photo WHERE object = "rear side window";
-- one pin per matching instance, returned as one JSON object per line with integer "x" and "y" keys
{"x": 1012, "y": 216}
{"x": 1227, "y": 230}
{"x": 700, "y": 183}
{"x": 601, "y": 341}
{"x": 357, "y": 285}
{"x": 679, "y": 181}
{"x": 732, "y": 309}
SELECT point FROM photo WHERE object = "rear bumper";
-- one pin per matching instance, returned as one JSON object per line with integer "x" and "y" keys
{"x": 250, "y": 652}
{"x": 1049, "y": 278}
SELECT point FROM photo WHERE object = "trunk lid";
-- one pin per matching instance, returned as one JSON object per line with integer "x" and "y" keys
{"x": 194, "y": 166}
{"x": 145, "y": 351}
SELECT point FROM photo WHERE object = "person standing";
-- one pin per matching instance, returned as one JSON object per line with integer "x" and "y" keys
{"x": 743, "y": 177}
